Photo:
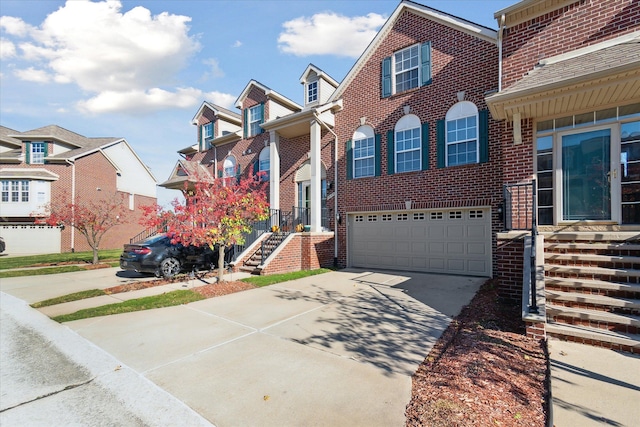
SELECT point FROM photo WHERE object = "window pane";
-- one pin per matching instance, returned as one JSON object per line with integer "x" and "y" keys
{"x": 407, "y": 147}
{"x": 363, "y": 157}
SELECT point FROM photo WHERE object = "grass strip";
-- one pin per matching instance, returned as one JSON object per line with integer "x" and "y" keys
{"x": 261, "y": 281}
{"x": 68, "y": 298}
{"x": 79, "y": 257}
{"x": 40, "y": 271}
{"x": 168, "y": 299}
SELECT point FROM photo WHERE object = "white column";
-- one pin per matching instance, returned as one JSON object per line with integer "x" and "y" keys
{"x": 316, "y": 177}
{"x": 274, "y": 170}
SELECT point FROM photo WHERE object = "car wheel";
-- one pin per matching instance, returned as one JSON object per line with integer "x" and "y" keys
{"x": 169, "y": 267}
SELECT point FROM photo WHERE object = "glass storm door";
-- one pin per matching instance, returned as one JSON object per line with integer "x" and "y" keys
{"x": 586, "y": 176}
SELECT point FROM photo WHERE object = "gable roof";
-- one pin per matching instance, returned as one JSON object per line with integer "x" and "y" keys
{"x": 7, "y": 140}
{"x": 270, "y": 93}
{"x": 222, "y": 112}
{"x": 319, "y": 73}
{"x": 193, "y": 171}
{"x": 459, "y": 24}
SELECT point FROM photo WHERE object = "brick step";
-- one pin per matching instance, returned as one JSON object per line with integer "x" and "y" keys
{"x": 594, "y": 315}
{"x": 591, "y": 299}
{"x": 591, "y": 284}
{"x": 591, "y": 271}
{"x": 248, "y": 269}
{"x": 594, "y": 336}
{"x": 592, "y": 246}
{"x": 592, "y": 258}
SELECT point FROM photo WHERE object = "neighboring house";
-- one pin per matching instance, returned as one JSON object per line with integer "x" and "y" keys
{"x": 40, "y": 165}
{"x": 570, "y": 99}
{"x": 402, "y": 155}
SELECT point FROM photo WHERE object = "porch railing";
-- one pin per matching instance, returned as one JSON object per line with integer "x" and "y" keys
{"x": 257, "y": 229}
{"x": 151, "y": 231}
{"x": 520, "y": 210}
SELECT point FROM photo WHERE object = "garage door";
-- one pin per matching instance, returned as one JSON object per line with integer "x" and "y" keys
{"x": 452, "y": 241}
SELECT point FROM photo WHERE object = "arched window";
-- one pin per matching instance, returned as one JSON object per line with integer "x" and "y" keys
{"x": 462, "y": 134}
{"x": 264, "y": 163}
{"x": 363, "y": 152}
{"x": 408, "y": 144}
{"x": 229, "y": 167}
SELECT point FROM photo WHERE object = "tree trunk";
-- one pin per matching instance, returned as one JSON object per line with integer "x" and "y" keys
{"x": 95, "y": 255}
{"x": 221, "y": 263}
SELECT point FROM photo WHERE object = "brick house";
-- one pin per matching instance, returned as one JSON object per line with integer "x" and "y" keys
{"x": 569, "y": 98}
{"x": 40, "y": 165}
{"x": 401, "y": 160}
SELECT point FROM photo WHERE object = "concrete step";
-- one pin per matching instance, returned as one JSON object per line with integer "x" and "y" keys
{"x": 592, "y": 246}
{"x": 596, "y": 271}
{"x": 626, "y": 342}
{"x": 580, "y": 298}
{"x": 591, "y": 284}
{"x": 593, "y": 315}
{"x": 607, "y": 236}
{"x": 550, "y": 256}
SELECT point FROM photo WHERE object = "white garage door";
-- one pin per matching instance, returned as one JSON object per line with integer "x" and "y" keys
{"x": 452, "y": 241}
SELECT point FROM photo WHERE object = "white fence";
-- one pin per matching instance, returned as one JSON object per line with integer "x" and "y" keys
{"x": 30, "y": 239}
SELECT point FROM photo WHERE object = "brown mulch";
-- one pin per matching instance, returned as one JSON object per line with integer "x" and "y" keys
{"x": 483, "y": 371}
{"x": 207, "y": 290}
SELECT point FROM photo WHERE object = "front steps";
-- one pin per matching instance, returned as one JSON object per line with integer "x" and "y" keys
{"x": 592, "y": 289}
{"x": 254, "y": 262}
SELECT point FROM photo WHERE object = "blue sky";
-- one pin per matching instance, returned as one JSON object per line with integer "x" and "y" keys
{"x": 141, "y": 69}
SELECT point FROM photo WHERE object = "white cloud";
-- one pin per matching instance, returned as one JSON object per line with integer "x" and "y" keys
{"x": 329, "y": 34}
{"x": 33, "y": 75}
{"x": 7, "y": 49}
{"x": 214, "y": 68}
{"x": 143, "y": 101}
{"x": 123, "y": 58}
{"x": 237, "y": 43}
{"x": 14, "y": 26}
{"x": 222, "y": 99}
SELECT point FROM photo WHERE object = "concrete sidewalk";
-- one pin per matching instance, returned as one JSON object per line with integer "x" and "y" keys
{"x": 333, "y": 349}
{"x": 593, "y": 386}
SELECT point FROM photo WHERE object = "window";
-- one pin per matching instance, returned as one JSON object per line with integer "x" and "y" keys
{"x": 37, "y": 153}
{"x": 255, "y": 119}
{"x": 406, "y": 69}
{"x": 15, "y": 191}
{"x": 372, "y": 218}
{"x": 462, "y": 134}
{"x": 264, "y": 163}
{"x": 386, "y": 217}
{"x": 407, "y": 144}
{"x": 363, "y": 152}
{"x": 207, "y": 135}
{"x": 312, "y": 92}
{"x": 229, "y": 167}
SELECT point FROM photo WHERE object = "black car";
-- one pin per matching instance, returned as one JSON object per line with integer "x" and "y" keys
{"x": 157, "y": 255}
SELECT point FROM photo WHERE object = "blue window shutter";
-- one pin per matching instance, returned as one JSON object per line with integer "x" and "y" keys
{"x": 199, "y": 137}
{"x": 245, "y": 123}
{"x": 425, "y": 146}
{"x": 220, "y": 173}
{"x": 440, "y": 142}
{"x": 483, "y": 118}
{"x": 27, "y": 152}
{"x": 391, "y": 156}
{"x": 261, "y": 116}
{"x": 377, "y": 157}
{"x": 386, "y": 77}
{"x": 425, "y": 57}
{"x": 349, "y": 160}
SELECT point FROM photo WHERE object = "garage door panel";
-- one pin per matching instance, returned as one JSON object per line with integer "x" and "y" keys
{"x": 456, "y": 241}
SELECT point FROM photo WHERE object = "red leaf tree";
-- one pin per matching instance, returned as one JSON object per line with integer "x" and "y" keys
{"x": 91, "y": 218}
{"x": 215, "y": 212}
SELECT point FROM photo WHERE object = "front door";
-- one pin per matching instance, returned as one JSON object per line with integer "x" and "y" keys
{"x": 587, "y": 177}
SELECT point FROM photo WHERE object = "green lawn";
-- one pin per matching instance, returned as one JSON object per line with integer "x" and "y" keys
{"x": 51, "y": 259}
{"x": 284, "y": 277}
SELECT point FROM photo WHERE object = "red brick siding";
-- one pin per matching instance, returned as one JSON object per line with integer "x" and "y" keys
{"x": 575, "y": 26}
{"x": 460, "y": 63}
{"x": 509, "y": 259}
{"x": 303, "y": 252}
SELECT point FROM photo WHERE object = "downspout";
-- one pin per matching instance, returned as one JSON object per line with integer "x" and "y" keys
{"x": 335, "y": 188}
{"x": 500, "y": 35}
{"x": 73, "y": 202}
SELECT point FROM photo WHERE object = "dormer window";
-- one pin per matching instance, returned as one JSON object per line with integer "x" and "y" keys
{"x": 36, "y": 152}
{"x": 206, "y": 136}
{"x": 254, "y": 118}
{"x": 312, "y": 92}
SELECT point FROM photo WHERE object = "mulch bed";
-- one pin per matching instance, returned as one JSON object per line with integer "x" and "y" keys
{"x": 483, "y": 371}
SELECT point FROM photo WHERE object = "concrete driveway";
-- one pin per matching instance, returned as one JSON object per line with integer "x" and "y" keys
{"x": 333, "y": 349}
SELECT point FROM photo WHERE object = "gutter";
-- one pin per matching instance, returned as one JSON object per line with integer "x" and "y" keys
{"x": 72, "y": 163}
{"x": 500, "y": 36}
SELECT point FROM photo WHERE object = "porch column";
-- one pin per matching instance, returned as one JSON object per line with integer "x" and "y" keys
{"x": 316, "y": 177}
{"x": 274, "y": 170}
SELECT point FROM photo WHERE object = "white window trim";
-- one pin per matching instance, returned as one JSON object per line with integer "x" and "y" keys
{"x": 394, "y": 73}
{"x": 18, "y": 187}
{"x": 39, "y": 154}
{"x": 254, "y": 120}
{"x": 408, "y": 122}
{"x": 363, "y": 133}
{"x": 462, "y": 110}
{"x": 311, "y": 86}
{"x": 229, "y": 163}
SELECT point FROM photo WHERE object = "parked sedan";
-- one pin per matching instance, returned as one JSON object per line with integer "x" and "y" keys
{"x": 157, "y": 255}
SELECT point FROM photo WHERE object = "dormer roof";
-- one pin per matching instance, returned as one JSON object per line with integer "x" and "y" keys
{"x": 317, "y": 71}
{"x": 227, "y": 115}
{"x": 270, "y": 93}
